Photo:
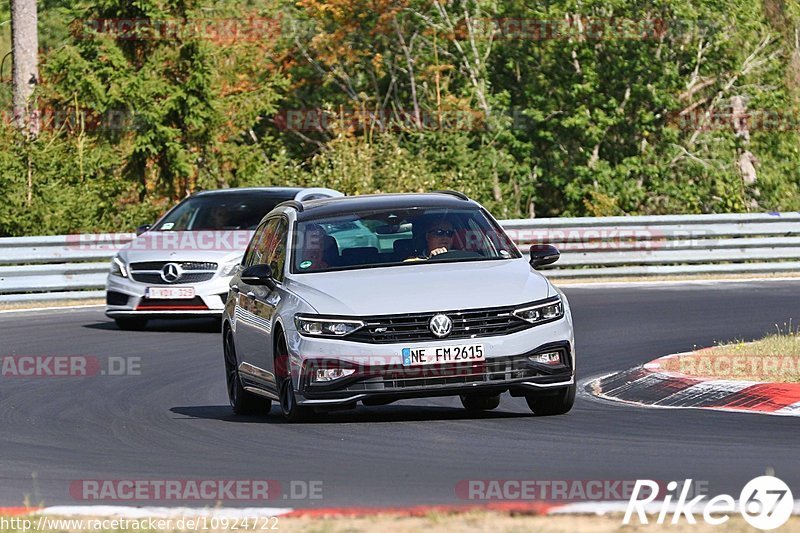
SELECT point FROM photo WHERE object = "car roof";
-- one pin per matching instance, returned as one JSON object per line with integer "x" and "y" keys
{"x": 288, "y": 192}
{"x": 313, "y": 209}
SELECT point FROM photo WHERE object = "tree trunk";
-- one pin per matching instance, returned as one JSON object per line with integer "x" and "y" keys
{"x": 25, "y": 47}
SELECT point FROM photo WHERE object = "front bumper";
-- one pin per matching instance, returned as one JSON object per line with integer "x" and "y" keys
{"x": 380, "y": 376}
{"x": 516, "y": 374}
{"x": 126, "y": 298}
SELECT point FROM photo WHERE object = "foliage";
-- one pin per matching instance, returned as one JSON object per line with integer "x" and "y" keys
{"x": 593, "y": 118}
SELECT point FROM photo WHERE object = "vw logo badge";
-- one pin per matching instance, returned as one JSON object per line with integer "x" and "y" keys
{"x": 441, "y": 325}
{"x": 171, "y": 272}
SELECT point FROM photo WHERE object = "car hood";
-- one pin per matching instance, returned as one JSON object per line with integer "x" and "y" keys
{"x": 215, "y": 246}
{"x": 421, "y": 288}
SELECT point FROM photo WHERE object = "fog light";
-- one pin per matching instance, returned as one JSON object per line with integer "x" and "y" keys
{"x": 549, "y": 358}
{"x": 332, "y": 374}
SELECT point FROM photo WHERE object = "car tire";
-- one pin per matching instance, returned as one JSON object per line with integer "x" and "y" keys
{"x": 131, "y": 324}
{"x": 292, "y": 411}
{"x": 480, "y": 402}
{"x": 558, "y": 404}
{"x": 242, "y": 402}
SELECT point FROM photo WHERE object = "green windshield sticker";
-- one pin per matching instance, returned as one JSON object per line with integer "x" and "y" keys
{"x": 305, "y": 264}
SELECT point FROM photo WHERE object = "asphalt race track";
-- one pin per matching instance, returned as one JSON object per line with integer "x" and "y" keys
{"x": 173, "y": 422}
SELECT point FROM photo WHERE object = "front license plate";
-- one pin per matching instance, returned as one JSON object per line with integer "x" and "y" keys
{"x": 460, "y": 353}
{"x": 169, "y": 293}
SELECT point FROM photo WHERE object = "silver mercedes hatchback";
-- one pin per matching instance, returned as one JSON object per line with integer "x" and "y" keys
{"x": 379, "y": 298}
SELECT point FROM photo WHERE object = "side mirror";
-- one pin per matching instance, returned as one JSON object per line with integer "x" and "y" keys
{"x": 543, "y": 254}
{"x": 258, "y": 275}
{"x": 142, "y": 229}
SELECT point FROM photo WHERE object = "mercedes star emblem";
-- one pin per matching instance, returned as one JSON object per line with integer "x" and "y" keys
{"x": 171, "y": 272}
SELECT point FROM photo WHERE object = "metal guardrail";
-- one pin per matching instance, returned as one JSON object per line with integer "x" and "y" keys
{"x": 75, "y": 266}
{"x": 56, "y": 267}
{"x": 666, "y": 245}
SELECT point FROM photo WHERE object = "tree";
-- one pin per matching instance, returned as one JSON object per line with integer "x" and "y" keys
{"x": 25, "y": 43}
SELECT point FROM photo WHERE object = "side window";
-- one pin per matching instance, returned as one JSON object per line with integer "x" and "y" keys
{"x": 260, "y": 246}
{"x": 247, "y": 260}
{"x": 277, "y": 252}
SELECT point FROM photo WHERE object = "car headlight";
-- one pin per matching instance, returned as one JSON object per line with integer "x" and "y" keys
{"x": 326, "y": 327}
{"x": 228, "y": 269}
{"x": 538, "y": 313}
{"x": 118, "y": 268}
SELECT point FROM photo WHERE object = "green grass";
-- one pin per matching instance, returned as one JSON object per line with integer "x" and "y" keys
{"x": 775, "y": 358}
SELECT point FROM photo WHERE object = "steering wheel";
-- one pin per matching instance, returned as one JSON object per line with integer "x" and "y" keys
{"x": 455, "y": 254}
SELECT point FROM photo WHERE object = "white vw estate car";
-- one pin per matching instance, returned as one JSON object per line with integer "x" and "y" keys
{"x": 438, "y": 302}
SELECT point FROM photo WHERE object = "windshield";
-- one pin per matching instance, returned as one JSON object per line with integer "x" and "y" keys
{"x": 398, "y": 237}
{"x": 219, "y": 212}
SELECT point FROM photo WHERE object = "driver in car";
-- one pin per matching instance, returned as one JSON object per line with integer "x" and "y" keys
{"x": 220, "y": 218}
{"x": 439, "y": 236}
